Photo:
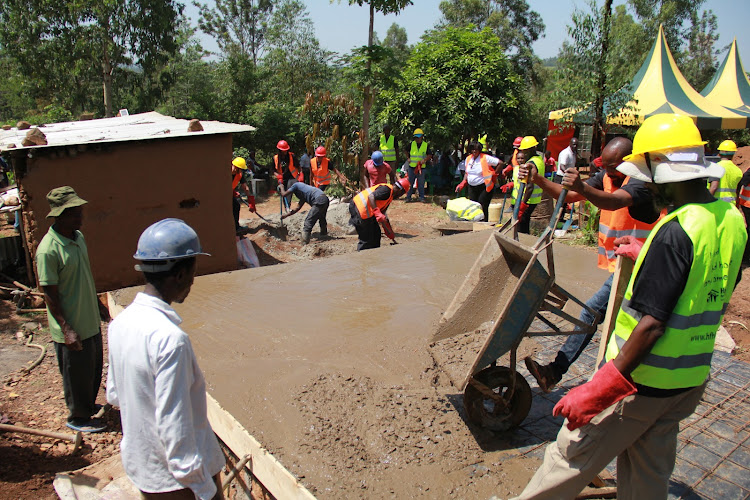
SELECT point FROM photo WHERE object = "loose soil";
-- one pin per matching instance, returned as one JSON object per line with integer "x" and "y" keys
{"x": 388, "y": 421}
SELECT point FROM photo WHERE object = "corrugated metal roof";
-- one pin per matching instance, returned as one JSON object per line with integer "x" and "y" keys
{"x": 136, "y": 127}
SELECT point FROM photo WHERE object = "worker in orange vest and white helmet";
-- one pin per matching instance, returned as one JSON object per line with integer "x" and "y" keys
{"x": 367, "y": 210}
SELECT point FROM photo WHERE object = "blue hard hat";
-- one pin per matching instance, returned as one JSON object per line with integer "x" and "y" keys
{"x": 164, "y": 243}
{"x": 377, "y": 158}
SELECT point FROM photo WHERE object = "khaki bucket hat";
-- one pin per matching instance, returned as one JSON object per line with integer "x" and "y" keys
{"x": 62, "y": 198}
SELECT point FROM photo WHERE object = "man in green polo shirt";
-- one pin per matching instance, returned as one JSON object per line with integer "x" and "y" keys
{"x": 73, "y": 310}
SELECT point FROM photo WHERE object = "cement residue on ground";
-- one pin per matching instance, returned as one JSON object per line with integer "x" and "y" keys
{"x": 403, "y": 441}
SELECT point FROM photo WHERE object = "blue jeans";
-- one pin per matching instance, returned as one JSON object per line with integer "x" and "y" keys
{"x": 576, "y": 343}
{"x": 420, "y": 184}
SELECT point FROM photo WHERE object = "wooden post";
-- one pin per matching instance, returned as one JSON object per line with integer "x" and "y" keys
{"x": 623, "y": 270}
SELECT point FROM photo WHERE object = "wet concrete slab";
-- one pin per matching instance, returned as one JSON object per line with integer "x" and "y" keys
{"x": 307, "y": 355}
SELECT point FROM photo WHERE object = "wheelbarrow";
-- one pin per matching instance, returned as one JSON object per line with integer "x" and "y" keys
{"x": 508, "y": 287}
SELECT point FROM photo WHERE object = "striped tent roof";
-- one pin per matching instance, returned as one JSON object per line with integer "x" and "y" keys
{"x": 660, "y": 87}
{"x": 730, "y": 86}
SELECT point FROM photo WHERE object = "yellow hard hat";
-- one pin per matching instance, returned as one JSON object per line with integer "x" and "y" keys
{"x": 418, "y": 132}
{"x": 663, "y": 132}
{"x": 239, "y": 162}
{"x": 528, "y": 142}
{"x": 728, "y": 146}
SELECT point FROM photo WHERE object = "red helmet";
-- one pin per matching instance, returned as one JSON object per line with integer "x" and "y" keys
{"x": 282, "y": 145}
{"x": 321, "y": 151}
{"x": 517, "y": 142}
{"x": 404, "y": 183}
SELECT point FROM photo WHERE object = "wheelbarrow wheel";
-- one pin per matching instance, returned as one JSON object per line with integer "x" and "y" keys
{"x": 493, "y": 415}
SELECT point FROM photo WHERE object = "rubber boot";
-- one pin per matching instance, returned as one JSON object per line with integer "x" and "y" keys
{"x": 305, "y": 237}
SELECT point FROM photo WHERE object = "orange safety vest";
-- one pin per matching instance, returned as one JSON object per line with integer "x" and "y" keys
{"x": 236, "y": 182}
{"x": 363, "y": 205}
{"x": 292, "y": 169}
{"x": 320, "y": 174}
{"x": 614, "y": 224}
{"x": 514, "y": 160}
{"x": 487, "y": 172}
{"x": 744, "y": 198}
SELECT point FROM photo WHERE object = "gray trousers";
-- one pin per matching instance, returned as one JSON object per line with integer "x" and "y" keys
{"x": 81, "y": 373}
{"x": 317, "y": 213}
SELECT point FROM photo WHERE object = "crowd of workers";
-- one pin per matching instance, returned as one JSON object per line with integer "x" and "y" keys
{"x": 662, "y": 204}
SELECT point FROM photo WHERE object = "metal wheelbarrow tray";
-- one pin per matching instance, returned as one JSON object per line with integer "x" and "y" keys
{"x": 507, "y": 287}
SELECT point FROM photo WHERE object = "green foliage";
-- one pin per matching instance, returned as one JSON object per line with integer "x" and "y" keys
{"x": 383, "y": 6}
{"x": 457, "y": 84}
{"x": 515, "y": 24}
{"x": 238, "y": 26}
{"x": 590, "y": 228}
{"x": 700, "y": 62}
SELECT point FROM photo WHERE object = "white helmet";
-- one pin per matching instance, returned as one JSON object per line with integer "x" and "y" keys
{"x": 677, "y": 165}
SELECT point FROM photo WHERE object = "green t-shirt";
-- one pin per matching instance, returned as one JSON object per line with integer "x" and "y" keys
{"x": 64, "y": 262}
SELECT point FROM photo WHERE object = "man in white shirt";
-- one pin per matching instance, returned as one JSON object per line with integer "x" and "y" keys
{"x": 566, "y": 160}
{"x": 167, "y": 445}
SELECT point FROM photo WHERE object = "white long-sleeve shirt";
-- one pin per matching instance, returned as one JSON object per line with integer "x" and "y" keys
{"x": 154, "y": 378}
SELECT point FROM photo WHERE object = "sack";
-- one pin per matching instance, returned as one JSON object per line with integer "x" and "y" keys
{"x": 464, "y": 209}
{"x": 246, "y": 256}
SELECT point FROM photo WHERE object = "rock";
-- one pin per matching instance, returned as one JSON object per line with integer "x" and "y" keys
{"x": 23, "y": 125}
{"x": 7, "y": 127}
{"x": 61, "y": 448}
{"x": 35, "y": 137}
{"x": 20, "y": 335}
{"x": 31, "y": 326}
{"x": 724, "y": 341}
{"x": 11, "y": 145}
{"x": 86, "y": 116}
{"x": 195, "y": 125}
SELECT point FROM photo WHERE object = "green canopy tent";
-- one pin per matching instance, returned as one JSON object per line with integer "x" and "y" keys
{"x": 730, "y": 86}
{"x": 660, "y": 87}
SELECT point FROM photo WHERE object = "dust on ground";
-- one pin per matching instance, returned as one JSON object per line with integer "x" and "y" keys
{"x": 397, "y": 437}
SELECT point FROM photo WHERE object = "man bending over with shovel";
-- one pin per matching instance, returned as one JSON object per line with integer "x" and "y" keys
{"x": 318, "y": 202}
{"x": 367, "y": 210}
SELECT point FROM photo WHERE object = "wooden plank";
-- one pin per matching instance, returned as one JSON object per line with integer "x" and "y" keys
{"x": 264, "y": 466}
{"x": 623, "y": 270}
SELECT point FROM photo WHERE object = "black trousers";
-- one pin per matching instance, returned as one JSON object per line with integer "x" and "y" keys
{"x": 236, "y": 212}
{"x": 367, "y": 229}
{"x": 317, "y": 213}
{"x": 525, "y": 222}
{"x": 480, "y": 195}
{"x": 81, "y": 375}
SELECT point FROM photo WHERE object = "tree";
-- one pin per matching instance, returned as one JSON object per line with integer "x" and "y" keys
{"x": 515, "y": 24}
{"x": 238, "y": 26}
{"x": 445, "y": 92}
{"x": 295, "y": 60}
{"x": 82, "y": 36}
{"x": 699, "y": 64}
{"x": 384, "y": 7}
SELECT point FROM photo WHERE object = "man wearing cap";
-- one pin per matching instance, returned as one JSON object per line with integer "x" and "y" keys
{"x": 168, "y": 449}
{"x": 73, "y": 310}
{"x": 239, "y": 166}
{"x": 419, "y": 155}
{"x": 726, "y": 188}
{"x": 658, "y": 359}
{"x": 367, "y": 210}
{"x": 376, "y": 170}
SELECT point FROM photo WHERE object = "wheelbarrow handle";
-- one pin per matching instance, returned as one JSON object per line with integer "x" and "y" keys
{"x": 553, "y": 220}
{"x": 519, "y": 198}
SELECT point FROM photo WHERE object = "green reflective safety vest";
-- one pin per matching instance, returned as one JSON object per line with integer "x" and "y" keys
{"x": 417, "y": 153}
{"x": 464, "y": 208}
{"x": 387, "y": 148}
{"x": 728, "y": 183}
{"x": 681, "y": 358}
{"x": 536, "y": 194}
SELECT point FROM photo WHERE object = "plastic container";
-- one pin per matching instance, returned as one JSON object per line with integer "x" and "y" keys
{"x": 494, "y": 212}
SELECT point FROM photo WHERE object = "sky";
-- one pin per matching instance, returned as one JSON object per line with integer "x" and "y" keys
{"x": 340, "y": 27}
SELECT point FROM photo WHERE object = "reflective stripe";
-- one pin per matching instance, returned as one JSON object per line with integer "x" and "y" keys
{"x": 292, "y": 169}
{"x": 745, "y": 196}
{"x": 618, "y": 233}
{"x": 669, "y": 363}
{"x": 632, "y": 312}
{"x": 365, "y": 203}
{"x": 679, "y": 321}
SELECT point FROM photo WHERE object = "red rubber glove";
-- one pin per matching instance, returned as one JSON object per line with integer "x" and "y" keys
{"x": 629, "y": 246}
{"x": 522, "y": 209}
{"x": 598, "y": 162}
{"x": 379, "y": 216}
{"x": 301, "y": 177}
{"x": 280, "y": 178}
{"x": 581, "y": 404}
{"x": 388, "y": 230}
{"x": 461, "y": 185}
{"x": 507, "y": 170}
{"x": 506, "y": 187}
{"x": 251, "y": 203}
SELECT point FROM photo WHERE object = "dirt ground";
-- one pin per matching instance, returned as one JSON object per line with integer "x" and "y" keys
{"x": 35, "y": 399}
